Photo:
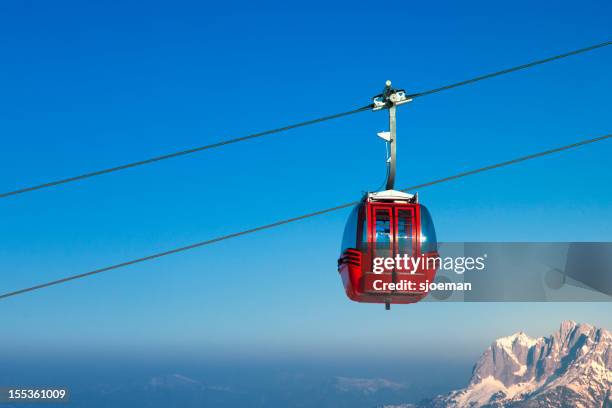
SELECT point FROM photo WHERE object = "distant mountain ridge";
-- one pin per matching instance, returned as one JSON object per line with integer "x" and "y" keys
{"x": 571, "y": 368}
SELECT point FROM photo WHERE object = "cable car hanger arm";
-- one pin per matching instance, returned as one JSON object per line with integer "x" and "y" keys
{"x": 389, "y": 99}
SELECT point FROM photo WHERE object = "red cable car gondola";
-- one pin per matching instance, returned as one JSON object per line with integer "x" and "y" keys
{"x": 385, "y": 225}
{"x": 389, "y": 239}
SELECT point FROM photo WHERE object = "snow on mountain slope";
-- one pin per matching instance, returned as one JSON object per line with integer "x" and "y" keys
{"x": 571, "y": 368}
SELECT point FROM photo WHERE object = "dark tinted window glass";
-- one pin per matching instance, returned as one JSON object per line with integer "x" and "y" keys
{"x": 429, "y": 242}
{"x": 404, "y": 232}
{"x": 364, "y": 234}
{"x": 350, "y": 231}
{"x": 383, "y": 233}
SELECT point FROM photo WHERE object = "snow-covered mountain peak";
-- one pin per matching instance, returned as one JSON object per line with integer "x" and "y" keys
{"x": 572, "y": 367}
{"x": 517, "y": 338}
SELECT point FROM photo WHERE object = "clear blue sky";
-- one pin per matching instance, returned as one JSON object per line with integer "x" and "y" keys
{"x": 86, "y": 86}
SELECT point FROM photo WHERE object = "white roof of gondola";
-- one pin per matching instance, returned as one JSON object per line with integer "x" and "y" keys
{"x": 391, "y": 195}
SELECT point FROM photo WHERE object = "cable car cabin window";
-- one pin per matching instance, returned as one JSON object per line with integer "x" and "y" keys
{"x": 364, "y": 235}
{"x": 349, "y": 240}
{"x": 404, "y": 232}
{"x": 429, "y": 242}
{"x": 383, "y": 233}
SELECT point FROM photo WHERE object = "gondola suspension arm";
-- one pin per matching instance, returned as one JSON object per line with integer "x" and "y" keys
{"x": 390, "y": 99}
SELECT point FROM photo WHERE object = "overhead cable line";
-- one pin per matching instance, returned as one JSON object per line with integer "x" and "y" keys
{"x": 509, "y": 70}
{"x": 301, "y": 217}
{"x": 180, "y": 153}
{"x": 289, "y": 127}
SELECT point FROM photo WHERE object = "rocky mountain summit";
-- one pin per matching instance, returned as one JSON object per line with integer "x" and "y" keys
{"x": 571, "y": 368}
